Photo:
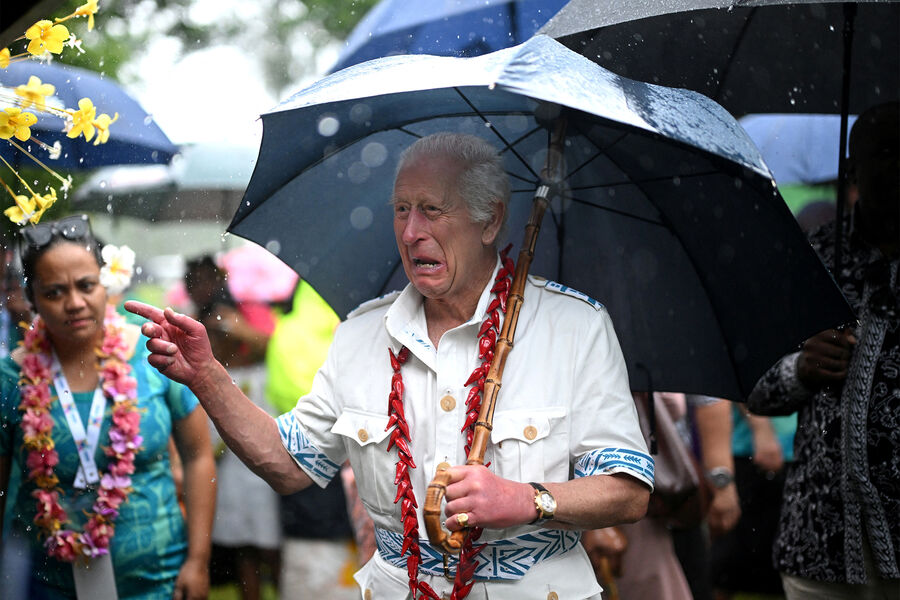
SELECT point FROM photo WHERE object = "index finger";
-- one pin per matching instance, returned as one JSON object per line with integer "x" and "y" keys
{"x": 145, "y": 310}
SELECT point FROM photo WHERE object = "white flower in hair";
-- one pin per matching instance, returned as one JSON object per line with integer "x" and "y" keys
{"x": 118, "y": 267}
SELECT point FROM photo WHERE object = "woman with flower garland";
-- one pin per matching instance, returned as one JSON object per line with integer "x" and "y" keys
{"x": 86, "y": 422}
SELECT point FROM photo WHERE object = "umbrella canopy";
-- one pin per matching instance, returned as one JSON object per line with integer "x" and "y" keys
{"x": 204, "y": 181}
{"x": 444, "y": 27}
{"x": 750, "y": 56}
{"x": 134, "y": 139}
{"x": 668, "y": 214}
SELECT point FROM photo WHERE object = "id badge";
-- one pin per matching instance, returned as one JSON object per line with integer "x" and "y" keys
{"x": 94, "y": 578}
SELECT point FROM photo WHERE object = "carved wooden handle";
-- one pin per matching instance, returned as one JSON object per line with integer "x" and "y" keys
{"x": 437, "y": 535}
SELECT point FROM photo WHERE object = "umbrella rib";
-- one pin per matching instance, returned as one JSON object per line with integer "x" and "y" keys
{"x": 616, "y": 211}
{"x": 490, "y": 125}
{"x": 738, "y": 41}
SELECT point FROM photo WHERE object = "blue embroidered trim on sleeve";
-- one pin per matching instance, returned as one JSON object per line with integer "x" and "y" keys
{"x": 610, "y": 460}
{"x": 317, "y": 465}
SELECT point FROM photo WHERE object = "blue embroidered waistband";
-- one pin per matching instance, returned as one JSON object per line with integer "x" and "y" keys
{"x": 500, "y": 560}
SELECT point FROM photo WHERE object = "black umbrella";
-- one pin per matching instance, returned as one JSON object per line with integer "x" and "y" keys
{"x": 750, "y": 56}
{"x": 666, "y": 214}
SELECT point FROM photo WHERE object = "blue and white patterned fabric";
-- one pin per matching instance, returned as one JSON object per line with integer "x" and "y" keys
{"x": 316, "y": 464}
{"x": 614, "y": 460}
{"x": 499, "y": 560}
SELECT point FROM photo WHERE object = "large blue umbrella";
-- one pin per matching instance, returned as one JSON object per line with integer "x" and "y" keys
{"x": 134, "y": 139}
{"x": 444, "y": 28}
{"x": 666, "y": 213}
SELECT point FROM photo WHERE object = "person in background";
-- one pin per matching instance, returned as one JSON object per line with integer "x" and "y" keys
{"x": 762, "y": 448}
{"x": 314, "y": 522}
{"x": 86, "y": 424}
{"x": 839, "y": 530}
{"x": 246, "y": 522}
{"x": 13, "y": 306}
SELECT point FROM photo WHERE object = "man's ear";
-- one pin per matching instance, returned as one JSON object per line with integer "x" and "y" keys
{"x": 492, "y": 228}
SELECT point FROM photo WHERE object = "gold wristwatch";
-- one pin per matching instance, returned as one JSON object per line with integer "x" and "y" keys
{"x": 544, "y": 502}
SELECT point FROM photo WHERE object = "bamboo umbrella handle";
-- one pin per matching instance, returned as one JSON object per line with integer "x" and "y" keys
{"x": 437, "y": 535}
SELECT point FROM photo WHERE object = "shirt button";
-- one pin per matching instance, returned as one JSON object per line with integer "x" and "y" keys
{"x": 530, "y": 432}
{"x": 448, "y": 403}
{"x": 552, "y": 596}
{"x": 363, "y": 435}
{"x": 443, "y": 466}
{"x": 368, "y": 594}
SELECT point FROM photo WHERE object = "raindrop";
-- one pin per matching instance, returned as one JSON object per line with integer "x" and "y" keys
{"x": 373, "y": 276}
{"x": 676, "y": 181}
{"x": 360, "y": 113}
{"x": 328, "y": 126}
{"x": 103, "y": 184}
{"x": 361, "y": 217}
{"x": 738, "y": 183}
{"x": 219, "y": 318}
{"x": 274, "y": 246}
{"x": 358, "y": 172}
{"x": 517, "y": 123}
{"x": 374, "y": 154}
{"x": 148, "y": 119}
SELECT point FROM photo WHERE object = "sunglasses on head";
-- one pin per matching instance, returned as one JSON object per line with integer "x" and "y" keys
{"x": 72, "y": 228}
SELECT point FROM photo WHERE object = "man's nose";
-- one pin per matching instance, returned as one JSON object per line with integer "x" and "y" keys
{"x": 413, "y": 227}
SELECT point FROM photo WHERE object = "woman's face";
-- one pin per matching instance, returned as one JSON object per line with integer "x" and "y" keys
{"x": 68, "y": 294}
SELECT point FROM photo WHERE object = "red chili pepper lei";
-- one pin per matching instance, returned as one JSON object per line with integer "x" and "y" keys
{"x": 400, "y": 437}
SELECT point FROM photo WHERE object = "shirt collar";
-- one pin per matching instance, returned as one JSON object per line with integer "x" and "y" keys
{"x": 406, "y": 325}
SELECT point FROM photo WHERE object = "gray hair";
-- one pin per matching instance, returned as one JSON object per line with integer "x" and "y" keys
{"x": 483, "y": 182}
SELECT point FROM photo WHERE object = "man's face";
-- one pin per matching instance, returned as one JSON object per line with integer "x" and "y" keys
{"x": 443, "y": 250}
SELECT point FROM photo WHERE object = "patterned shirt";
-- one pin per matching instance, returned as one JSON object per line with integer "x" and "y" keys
{"x": 845, "y": 481}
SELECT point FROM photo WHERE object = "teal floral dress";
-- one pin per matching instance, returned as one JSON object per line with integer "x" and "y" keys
{"x": 150, "y": 542}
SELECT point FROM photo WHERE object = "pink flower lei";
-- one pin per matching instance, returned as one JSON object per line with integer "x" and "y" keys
{"x": 402, "y": 439}
{"x": 119, "y": 385}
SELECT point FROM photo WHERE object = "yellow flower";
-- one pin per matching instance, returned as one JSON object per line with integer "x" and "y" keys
{"x": 23, "y": 211}
{"x": 83, "y": 119}
{"x": 4, "y": 58}
{"x": 45, "y": 201}
{"x": 30, "y": 209}
{"x": 35, "y": 92}
{"x": 44, "y": 36}
{"x": 102, "y": 124}
{"x": 88, "y": 9}
{"x": 14, "y": 122}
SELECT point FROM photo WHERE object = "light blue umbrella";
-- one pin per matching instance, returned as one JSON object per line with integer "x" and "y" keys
{"x": 798, "y": 148}
{"x": 665, "y": 212}
{"x": 444, "y": 28}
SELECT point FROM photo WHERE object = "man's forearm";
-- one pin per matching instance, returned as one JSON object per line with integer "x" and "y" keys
{"x": 249, "y": 432}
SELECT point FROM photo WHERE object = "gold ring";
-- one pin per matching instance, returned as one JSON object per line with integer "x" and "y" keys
{"x": 463, "y": 519}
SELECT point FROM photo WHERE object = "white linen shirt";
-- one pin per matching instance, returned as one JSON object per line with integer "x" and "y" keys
{"x": 564, "y": 409}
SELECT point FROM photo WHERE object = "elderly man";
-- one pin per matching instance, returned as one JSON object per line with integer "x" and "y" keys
{"x": 565, "y": 405}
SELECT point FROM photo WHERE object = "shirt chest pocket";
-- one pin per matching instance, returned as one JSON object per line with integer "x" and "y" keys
{"x": 530, "y": 444}
{"x": 366, "y": 438}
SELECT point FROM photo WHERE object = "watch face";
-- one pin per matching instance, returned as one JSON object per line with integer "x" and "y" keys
{"x": 548, "y": 504}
